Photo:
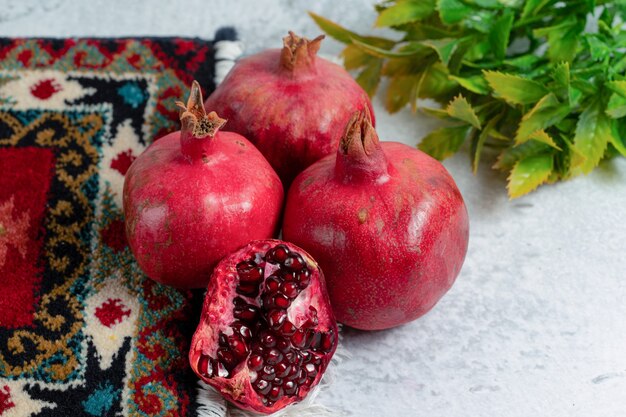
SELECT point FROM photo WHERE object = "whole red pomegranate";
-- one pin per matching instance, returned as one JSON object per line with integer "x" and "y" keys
{"x": 267, "y": 331}
{"x": 290, "y": 103}
{"x": 196, "y": 195}
{"x": 386, "y": 223}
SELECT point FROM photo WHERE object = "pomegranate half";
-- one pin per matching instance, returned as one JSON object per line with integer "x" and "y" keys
{"x": 386, "y": 223}
{"x": 267, "y": 331}
{"x": 290, "y": 103}
{"x": 196, "y": 195}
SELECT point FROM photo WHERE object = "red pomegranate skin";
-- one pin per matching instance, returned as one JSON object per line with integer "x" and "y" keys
{"x": 190, "y": 201}
{"x": 219, "y": 319}
{"x": 290, "y": 103}
{"x": 387, "y": 225}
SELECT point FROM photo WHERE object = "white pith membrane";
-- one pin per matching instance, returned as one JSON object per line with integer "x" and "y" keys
{"x": 219, "y": 319}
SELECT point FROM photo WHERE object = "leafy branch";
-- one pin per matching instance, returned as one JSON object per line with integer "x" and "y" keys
{"x": 540, "y": 81}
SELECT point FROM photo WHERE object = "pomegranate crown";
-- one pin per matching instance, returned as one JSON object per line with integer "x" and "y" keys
{"x": 359, "y": 136}
{"x": 194, "y": 118}
{"x": 299, "y": 52}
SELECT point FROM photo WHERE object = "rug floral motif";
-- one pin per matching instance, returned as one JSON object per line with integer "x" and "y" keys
{"x": 82, "y": 331}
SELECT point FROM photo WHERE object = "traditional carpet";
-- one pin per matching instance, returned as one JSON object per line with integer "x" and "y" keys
{"x": 82, "y": 331}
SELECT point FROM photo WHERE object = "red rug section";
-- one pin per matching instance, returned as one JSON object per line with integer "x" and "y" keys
{"x": 25, "y": 177}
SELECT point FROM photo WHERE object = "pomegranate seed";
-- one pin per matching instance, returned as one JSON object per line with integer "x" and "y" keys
{"x": 268, "y": 373}
{"x": 248, "y": 289}
{"x": 290, "y": 388}
{"x": 239, "y": 302}
{"x": 328, "y": 339}
{"x": 287, "y": 329}
{"x": 268, "y": 301}
{"x": 222, "y": 340}
{"x": 281, "y": 301}
{"x": 203, "y": 365}
{"x": 291, "y": 357}
{"x": 316, "y": 338}
{"x": 255, "y": 362}
{"x": 273, "y": 356}
{"x": 282, "y": 369}
{"x": 276, "y": 393}
{"x": 262, "y": 387}
{"x": 301, "y": 377}
{"x": 303, "y": 278}
{"x": 227, "y": 358}
{"x": 277, "y": 381}
{"x": 310, "y": 370}
{"x": 249, "y": 272}
{"x": 272, "y": 283}
{"x": 299, "y": 338}
{"x": 247, "y": 313}
{"x": 290, "y": 289}
{"x": 220, "y": 370}
{"x": 289, "y": 276}
{"x": 295, "y": 262}
{"x": 293, "y": 371}
{"x": 242, "y": 330}
{"x": 238, "y": 346}
{"x": 276, "y": 318}
{"x": 306, "y": 356}
{"x": 278, "y": 254}
{"x": 309, "y": 381}
{"x": 283, "y": 344}
{"x": 268, "y": 340}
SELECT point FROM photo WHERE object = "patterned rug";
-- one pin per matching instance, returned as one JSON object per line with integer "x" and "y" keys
{"x": 82, "y": 331}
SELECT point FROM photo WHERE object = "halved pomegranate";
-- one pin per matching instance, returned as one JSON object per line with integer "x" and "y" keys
{"x": 267, "y": 331}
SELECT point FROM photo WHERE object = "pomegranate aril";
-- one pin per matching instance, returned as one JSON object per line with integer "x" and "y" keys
{"x": 227, "y": 358}
{"x": 268, "y": 301}
{"x": 262, "y": 387}
{"x": 255, "y": 362}
{"x": 288, "y": 276}
{"x": 203, "y": 365}
{"x": 291, "y": 357}
{"x": 327, "y": 342}
{"x": 290, "y": 388}
{"x": 281, "y": 301}
{"x": 293, "y": 371}
{"x": 306, "y": 356}
{"x": 275, "y": 393}
{"x": 237, "y": 346}
{"x": 220, "y": 370}
{"x": 249, "y": 272}
{"x": 242, "y": 330}
{"x": 276, "y": 318}
{"x": 301, "y": 377}
{"x": 248, "y": 313}
{"x": 277, "y": 381}
{"x": 248, "y": 289}
{"x": 287, "y": 329}
{"x": 290, "y": 289}
{"x": 239, "y": 302}
{"x": 315, "y": 338}
{"x": 273, "y": 356}
{"x": 268, "y": 340}
{"x": 272, "y": 283}
{"x": 222, "y": 340}
{"x": 268, "y": 373}
{"x": 282, "y": 369}
{"x": 311, "y": 370}
{"x": 278, "y": 254}
{"x": 295, "y": 262}
{"x": 303, "y": 278}
{"x": 299, "y": 338}
{"x": 283, "y": 344}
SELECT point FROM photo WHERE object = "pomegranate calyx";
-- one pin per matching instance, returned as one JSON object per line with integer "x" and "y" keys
{"x": 360, "y": 156}
{"x": 193, "y": 117}
{"x": 299, "y": 53}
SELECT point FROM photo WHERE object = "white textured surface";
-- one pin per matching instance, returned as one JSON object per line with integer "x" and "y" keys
{"x": 536, "y": 323}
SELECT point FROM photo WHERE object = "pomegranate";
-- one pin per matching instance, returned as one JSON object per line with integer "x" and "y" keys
{"x": 386, "y": 223}
{"x": 196, "y": 195}
{"x": 290, "y": 103}
{"x": 267, "y": 331}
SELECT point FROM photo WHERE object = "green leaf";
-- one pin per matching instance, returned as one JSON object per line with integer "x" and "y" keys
{"x": 546, "y": 113}
{"x": 532, "y": 7}
{"x": 414, "y": 49}
{"x": 444, "y": 47}
{"x": 475, "y": 83}
{"x": 499, "y": 34}
{"x": 509, "y": 157}
{"x": 615, "y": 139}
{"x": 369, "y": 78}
{"x": 599, "y": 50}
{"x": 460, "y": 109}
{"x": 563, "y": 39}
{"x": 543, "y": 137}
{"x": 477, "y": 146}
{"x": 436, "y": 84}
{"x": 561, "y": 77}
{"x": 354, "y": 57}
{"x": 344, "y": 35}
{"x": 529, "y": 173}
{"x": 514, "y": 89}
{"x": 524, "y": 62}
{"x": 438, "y": 113}
{"x": 593, "y": 133}
{"x": 617, "y": 106}
{"x": 444, "y": 142}
{"x": 618, "y": 86}
{"x": 405, "y": 12}
{"x": 399, "y": 92}
{"x": 452, "y": 11}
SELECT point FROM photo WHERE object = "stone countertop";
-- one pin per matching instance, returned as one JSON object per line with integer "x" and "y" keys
{"x": 536, "y": 322}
